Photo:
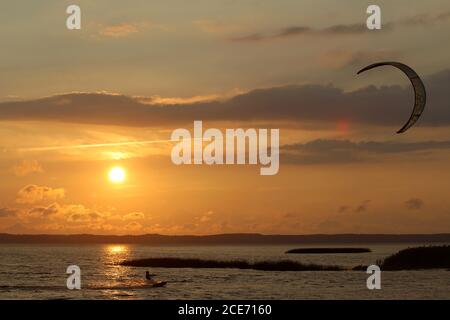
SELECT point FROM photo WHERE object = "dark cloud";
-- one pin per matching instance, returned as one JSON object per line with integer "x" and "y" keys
{"x": 291, "y": 215}
{"x": 343, "y": 151}
{"x": 290, "y": 31}
{"x": 344, "y": 29}
{"x": 343, "y": 209}
{"x": 250, "y": 38}
{"x": 50, "y": 210}
{"x": 414, "y": 204}
{"x": 356, "y": 28}
{"x": 84, "y": 217}
{"x": 293, "y": 31}
{"x": 284, "y": 33}
{"x": 385, "y": 106}
{"x": 362, "y": 207}
{"x": 426, "y": 19}
{"x": 7, "y": 212}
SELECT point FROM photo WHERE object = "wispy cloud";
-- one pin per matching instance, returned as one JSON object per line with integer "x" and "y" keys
{"x": 344, "y": 151}
{"x": 425, "y": 19}
{"x": 294, "y": 31}
{"x": 414, "y": 203}
{"x": 121, "y": 29}
{"x": 94, "y": 145}
{"x": 341, "y": 29}
{"x": 362, "y": 207}
{"x": 26, "y": 167}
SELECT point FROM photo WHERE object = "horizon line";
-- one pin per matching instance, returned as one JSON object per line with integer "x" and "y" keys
{"x": 225, "y": 234}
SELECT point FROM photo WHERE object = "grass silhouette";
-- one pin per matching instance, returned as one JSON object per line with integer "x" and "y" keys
{"x": 426, "y": 257}
{"x": 283, "y": 265}
{"x": 328, "y": 250}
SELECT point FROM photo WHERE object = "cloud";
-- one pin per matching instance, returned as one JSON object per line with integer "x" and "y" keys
{"x": 7, "y": 212}
{"x": 414, "y": 204}
{"x": 33, "y": 193}
{"x": 79, "y": 214}
{"x": 120, "y": 30}
{"x": 64, "y": 213}
{"x": 206, "y": 217}
{"x": 343, "y": 209}
{"x": 291, "y": 215}
{"x": 426, "y": 19}
{"x": 295, "y": 30}
{"x": 362, "y": 206}
{"x": 27, "y": 167}
{"x": 134, "y": 216}
{"x": 384, "y": 106}
{"x": 342, "y": 29}
{"x": 50, "y": 210}
{"x": 133, "y": 226}
{"x": 322, "y": 151}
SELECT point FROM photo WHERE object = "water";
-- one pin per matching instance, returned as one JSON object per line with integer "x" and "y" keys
{"x": 38, "y": 272}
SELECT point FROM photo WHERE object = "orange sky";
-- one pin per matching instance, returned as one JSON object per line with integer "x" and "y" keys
{"x": 73, "y": 104}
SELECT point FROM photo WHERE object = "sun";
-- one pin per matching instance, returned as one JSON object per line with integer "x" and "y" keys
{"x": 116, "y": 175}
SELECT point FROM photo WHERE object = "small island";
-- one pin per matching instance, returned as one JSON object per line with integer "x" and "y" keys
{"x": 328, "y": 250}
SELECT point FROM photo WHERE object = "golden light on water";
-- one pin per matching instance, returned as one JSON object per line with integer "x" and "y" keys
{"x": 117, "y": 175}
{"x": 113, "y": 255}
{"x": 117, "y": 249}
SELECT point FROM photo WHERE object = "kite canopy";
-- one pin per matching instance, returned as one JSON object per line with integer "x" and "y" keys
{"x": 419, "y": 90}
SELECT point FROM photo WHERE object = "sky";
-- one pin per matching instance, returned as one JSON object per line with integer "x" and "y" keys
{"x": 76, "y": 103}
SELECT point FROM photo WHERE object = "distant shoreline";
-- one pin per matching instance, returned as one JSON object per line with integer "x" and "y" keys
{"x": 224, "y": 239}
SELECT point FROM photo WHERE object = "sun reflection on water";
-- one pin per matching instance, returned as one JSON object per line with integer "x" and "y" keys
{"x": 116, "y": 278}
{"x": 116, "y": 249}
{"x": 114, "y": 254}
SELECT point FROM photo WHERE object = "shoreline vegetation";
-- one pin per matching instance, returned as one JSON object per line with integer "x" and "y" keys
{"x": 426, "y": 257}
{"x": 282, "y": 265}
{"x": 327, "y": 250}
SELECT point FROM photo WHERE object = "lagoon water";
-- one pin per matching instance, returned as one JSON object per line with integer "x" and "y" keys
{"x": 38, "y": 272}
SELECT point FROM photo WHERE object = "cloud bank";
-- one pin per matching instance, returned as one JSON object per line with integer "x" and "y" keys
{"x": 322, "y": 151}
{"x": 382, "y": 106}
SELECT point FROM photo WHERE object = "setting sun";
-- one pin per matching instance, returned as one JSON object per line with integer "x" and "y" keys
{"x": 116, "y": 175}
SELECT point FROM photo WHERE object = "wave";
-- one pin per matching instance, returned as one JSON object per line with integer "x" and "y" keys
{"x": 132, "y": 285}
